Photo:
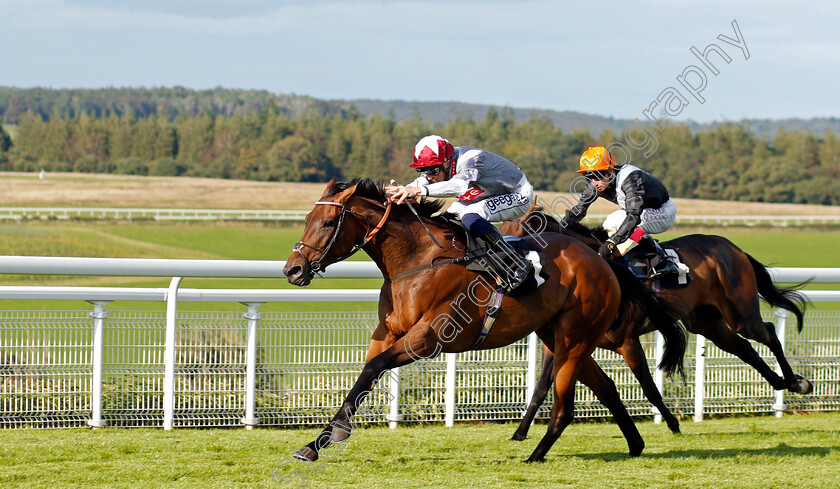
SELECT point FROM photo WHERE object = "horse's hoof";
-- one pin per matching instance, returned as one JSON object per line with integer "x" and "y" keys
{"x": 801, "y": 385}
{"x": 636, "y": 448}
{"x": 306, "y": 454}
{"x": 518, "y": 437}
{"x": 675, "y": 428}
{"x": 532, "y": 460}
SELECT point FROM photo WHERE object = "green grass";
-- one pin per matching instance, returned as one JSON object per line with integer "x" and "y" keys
{"x": 777, "y": 246}
{"x": 236, "y": 241}
{"x": 259, "y": 241}
{"x": 759, "y": 452}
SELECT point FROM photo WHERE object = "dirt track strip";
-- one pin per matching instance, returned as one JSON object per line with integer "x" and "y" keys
{"x": 90, "y": 190}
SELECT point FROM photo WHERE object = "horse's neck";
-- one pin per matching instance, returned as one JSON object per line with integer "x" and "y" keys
{"x": 404, "y": 244}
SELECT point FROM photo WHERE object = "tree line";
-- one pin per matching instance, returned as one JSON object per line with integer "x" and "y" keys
{"x": 267, "y": 143}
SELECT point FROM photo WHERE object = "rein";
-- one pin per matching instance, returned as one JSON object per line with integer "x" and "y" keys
{"x": 315, "y": 267}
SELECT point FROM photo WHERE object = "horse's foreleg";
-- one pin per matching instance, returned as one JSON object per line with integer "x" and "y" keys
{"x": 634, "y": 355}
{"x": 540, "y": 392}
{"x": 420, "y": 344}
{"x": 604, "y": 388}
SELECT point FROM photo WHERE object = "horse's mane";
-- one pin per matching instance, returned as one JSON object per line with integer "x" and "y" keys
{"x": 572, "y": 228}
{"x": 597, "y": 232}
{"x": 375, "y": 190}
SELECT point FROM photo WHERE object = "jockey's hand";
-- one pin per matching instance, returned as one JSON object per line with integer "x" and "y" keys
{"x": 399, "y": 194}
{"x": 606, "y": 249}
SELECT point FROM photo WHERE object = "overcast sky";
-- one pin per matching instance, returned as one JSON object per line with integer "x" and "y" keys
{"x": 605, "y": 58}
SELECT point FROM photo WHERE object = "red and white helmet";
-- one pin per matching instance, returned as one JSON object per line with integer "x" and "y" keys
{"x": 432, "y": 151}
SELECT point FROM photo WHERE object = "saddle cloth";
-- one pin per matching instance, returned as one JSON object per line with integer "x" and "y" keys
{"x": 531, "y": 252}
{"x": 639, "y": 263}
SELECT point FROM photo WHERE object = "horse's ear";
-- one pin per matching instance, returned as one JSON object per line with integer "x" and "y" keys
{"x": 343, "y": 196}
{"x": 330, "y": 185}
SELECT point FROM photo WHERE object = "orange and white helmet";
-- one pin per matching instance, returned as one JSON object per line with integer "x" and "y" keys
{"x": 432, "y": 151}
{"x": 596, "y": 159}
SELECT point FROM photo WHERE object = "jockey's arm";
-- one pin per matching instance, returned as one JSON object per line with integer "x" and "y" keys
{"x": 456, "y": 186}
{"x": 633, "y": 205}
{"x": 420, "y": 187}
{"x": 578, "y": 212}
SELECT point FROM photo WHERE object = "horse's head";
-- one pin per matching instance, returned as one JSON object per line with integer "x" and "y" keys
{"x": 332, "y": 231}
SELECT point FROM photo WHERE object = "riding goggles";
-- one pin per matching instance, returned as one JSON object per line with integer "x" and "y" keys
{"x": 434, "y": 170}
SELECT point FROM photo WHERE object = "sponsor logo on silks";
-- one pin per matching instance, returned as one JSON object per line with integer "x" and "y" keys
{"x": 588, "y": 164}
{"x": 505, "y": 201}
{"x": 471, "y": 194}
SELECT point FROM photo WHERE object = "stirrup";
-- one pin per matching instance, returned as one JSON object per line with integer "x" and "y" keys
{"x": 667, "y": 268}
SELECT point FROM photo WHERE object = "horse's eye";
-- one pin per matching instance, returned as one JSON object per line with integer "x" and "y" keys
{"x": 329, "y": 223}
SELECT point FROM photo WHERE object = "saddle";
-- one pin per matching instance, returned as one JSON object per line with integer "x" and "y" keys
{"x": 639, "y": 262}
{"x": 488, "y": 262}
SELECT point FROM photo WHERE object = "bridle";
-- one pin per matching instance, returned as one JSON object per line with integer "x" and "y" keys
{"x": 316, "y": 267}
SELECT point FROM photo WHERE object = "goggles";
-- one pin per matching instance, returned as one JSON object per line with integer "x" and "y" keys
{"x": 434, "y": 170}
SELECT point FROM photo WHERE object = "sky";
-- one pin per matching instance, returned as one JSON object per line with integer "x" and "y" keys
{"x": 604, "y": 58}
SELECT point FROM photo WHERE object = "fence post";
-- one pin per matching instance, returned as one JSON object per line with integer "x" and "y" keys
{"x": 253, "y": 315}
{"x": 658, "y": 374}
{"x": 98, "y": 314}
{"x": 394, "y": 416}
{"x": 781, "y": 331}
{"x": 449, "y": 393}
{"x": 169, "y": 354}
{"x": 531, "y": 373}
{"x": 699, "y": 377}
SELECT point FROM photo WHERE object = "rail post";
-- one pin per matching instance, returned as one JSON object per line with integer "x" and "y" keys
{"x": 531, "y": 373}
{"x": 394, "y": 416}
{"x": 781, "y": 330}
{"x": 699, "y": 377}
{"x": 449, "y": 393}
{"x": 658, "y": 374}
{"x": 169, "y": 354}
{"x": 98, "y": 314}
{"x": 253, "y": 315}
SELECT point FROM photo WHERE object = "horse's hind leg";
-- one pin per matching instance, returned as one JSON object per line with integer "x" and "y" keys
{"x": 540, "y": 392}
{"x": 634, "y": 355}
{"x": 750, "y": 325}
{"x": 562, "y": 414}
{"x": 709, "y": 322}
{"x": 604, "y": 388}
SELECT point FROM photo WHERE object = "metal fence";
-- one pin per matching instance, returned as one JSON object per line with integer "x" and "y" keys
{"x": 197, "y": 369}
{"x": 306, "y": 362}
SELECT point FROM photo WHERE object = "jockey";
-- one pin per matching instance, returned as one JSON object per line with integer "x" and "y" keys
{"x": 489, "y": 189}
{"x": 646, "y": 207}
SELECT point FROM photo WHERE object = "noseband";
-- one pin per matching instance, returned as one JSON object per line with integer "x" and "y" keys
{"x": 316, "y": 267}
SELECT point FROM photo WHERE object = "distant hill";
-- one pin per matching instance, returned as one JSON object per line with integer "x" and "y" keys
{"x": 149, "y": 102}
{"x": 440, "y": 112}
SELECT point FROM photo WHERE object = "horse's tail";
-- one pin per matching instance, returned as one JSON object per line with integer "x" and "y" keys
{"x": 784, "y": 298}
{"x": 662, "y": 316}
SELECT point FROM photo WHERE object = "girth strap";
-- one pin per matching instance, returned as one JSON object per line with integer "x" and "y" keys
{"x": 490, "y": 316}
{"x": 442, "y": 263}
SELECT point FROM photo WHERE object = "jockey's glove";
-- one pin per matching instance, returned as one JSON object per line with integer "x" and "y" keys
{"x": 606, "y": 249}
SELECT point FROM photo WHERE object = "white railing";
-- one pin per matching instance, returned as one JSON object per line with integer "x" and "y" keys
{"x": 117, "y": 213}
{"x": 253, "y": 299}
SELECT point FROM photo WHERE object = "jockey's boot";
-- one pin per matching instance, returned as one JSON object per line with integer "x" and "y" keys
{"x": 515, "y": 268}
{"x": 661, "y": 263}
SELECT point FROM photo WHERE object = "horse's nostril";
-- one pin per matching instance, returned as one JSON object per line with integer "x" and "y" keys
{"x": 294, "y": 271}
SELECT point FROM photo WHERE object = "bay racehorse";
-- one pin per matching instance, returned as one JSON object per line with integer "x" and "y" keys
{"x": 721, "y": 302}
{"x": 430, "y": 303}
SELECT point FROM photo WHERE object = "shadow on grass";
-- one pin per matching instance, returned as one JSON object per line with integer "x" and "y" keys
{"x": 780, "y": 450}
